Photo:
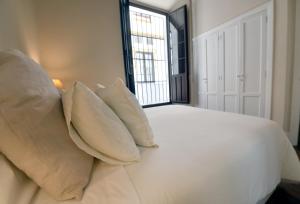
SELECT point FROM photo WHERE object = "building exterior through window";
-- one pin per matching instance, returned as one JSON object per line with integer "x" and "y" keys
{"x": 150, "y": 56}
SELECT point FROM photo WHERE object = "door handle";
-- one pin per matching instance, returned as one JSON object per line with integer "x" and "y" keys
{"x": 241, "y": 77}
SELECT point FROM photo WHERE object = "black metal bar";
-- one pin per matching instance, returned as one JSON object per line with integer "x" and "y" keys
{"x": 141, "y": 65}
{"x": 159, "y": 48}
{"x": 151, "y": 33}
{"x": 157, "y": 104}
{"x": 299, "y": 137}
{"x": 169, "y": 56}
{"x": 145, "y": 36}
{"x": 187, "y": 53}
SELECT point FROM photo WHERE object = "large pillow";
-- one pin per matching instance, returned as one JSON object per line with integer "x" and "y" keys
{"x": 34, "y": 134}
{"x": 96, "y": 129}
{"x": 16, "y": 187}
{"x": 126, "y": 106}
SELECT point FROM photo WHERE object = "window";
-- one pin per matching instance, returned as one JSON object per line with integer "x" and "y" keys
{"x": 150, "y": 73}
{"x": 149, "y": 41}
{"x": 142, "y": 39}
{"x": 144, "y": 67}
{"x": 142, "y": 17}
{"x": 137, "y": 39}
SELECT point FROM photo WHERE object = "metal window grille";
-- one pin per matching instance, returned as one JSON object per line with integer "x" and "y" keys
{"x": 149, "y": 55}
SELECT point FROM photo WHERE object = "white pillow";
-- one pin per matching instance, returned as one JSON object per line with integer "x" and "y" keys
{"x": 126, "y": 106}
{"x": 34, "y": 135}
{"x": 16, "y": 187}
{"x": 96, "y": 129}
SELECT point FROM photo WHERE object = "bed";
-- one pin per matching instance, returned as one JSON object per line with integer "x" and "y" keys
{"x": 204, "y": 156}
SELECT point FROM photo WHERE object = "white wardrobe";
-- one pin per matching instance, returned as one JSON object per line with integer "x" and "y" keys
{"x": 234, "y": 65}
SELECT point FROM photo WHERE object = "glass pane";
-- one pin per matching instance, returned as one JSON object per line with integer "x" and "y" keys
{"x": 150, "y": 56}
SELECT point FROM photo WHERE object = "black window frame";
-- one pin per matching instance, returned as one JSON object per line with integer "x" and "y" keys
{"x": 127, "y": 48}
{"x": 127, "y": 44}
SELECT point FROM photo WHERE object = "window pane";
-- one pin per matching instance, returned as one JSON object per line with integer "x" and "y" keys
{"x": 150, "y": 56}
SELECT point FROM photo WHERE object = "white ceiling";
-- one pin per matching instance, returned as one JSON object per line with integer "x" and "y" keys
{"x": 162, "y": 4}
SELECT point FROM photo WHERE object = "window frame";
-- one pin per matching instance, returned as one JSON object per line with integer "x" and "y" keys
{"x": 127, "y": 47}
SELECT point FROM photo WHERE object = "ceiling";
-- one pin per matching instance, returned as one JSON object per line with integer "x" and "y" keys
{"x": 161, "y": 4}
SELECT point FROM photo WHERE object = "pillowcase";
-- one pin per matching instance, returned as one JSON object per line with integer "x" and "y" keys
{"x": 16, "y": 187}
{"x": 34, "y": 135}
{"x": 126, "y": 106}
{"x": 96, "y": 129}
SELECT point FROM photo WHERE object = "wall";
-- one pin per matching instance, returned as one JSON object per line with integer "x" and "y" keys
{"x": 289, "y": 60}
{"x": 77, "y": 41}
{"x": 211, "y": 13}
{"x": 282, "y": 62}
{"x": 295, "y": 109}
{"x": 80, "y": 40}
{"x": 17, "y": 30}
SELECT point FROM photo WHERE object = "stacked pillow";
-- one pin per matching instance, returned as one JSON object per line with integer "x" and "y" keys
{"x": 108, "y": 124}
{"x": 56, "y": 151}
{"x": 126, "y": 106}
{"x": 96, "y": 129}
{"x": 34, "y": 135}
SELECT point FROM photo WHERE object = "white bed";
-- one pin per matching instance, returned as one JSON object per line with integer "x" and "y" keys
{"x": 204, "y": 157}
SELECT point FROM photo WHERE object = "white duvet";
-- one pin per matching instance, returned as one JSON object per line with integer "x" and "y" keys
{"x": 205, "y": 157}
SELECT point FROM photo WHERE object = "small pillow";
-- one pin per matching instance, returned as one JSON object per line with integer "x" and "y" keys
{"x": 126, "y": 106}
{"x": 96, "y": 129}
{"x": 34, "y": 134}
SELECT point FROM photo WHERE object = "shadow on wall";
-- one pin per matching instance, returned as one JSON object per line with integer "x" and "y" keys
{"x": 77, "y": 41}
{"x": 80, "y": 41}
{"x": 17, "y": 30}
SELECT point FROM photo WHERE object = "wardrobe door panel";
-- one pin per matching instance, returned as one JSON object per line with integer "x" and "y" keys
{"x": 212, "y": 63}
{"x": 252, "y": 52}
{"x": 212, "y": 70}
{"x": 251, "y": 106}
{"x": 229, "y": 62}
{"x": 230, "y": 103}
{"x": 202, "y": 72}
{"x": 253, "y": 69}
{"x": 212, "y": 102}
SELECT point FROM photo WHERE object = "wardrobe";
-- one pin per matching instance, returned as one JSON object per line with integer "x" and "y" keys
{"x": 234, "y": 64}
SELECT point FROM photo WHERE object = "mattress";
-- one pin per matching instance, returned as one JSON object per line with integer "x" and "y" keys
{"x": 205, "y": 157}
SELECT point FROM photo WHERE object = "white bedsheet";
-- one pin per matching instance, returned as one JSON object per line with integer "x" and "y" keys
{"x": 205, "y": 157}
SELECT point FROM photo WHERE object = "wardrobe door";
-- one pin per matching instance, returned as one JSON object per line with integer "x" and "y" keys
{"x": 228, "y": 69}
{"x": 202, "y": 74}
{"x": 252, "y": 74}
{"x": 211, "y": 68}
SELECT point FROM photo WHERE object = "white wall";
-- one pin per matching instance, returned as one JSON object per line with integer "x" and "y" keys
{"x": 17, "y": 30}
{"x": 295, "y": 110}
{"x": 290, "y": 61}
{"x": 80, "y": 40}
{"x": 208, "y": 14}
{"x": 283, "y": 50}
